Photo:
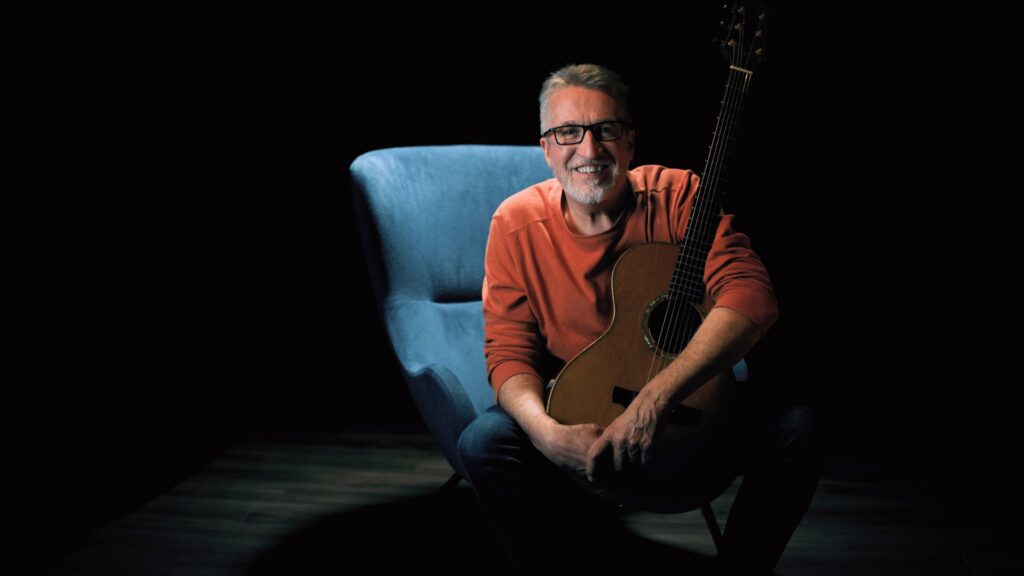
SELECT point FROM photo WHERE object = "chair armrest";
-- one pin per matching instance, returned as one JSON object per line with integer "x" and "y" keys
{"x": 445, "y": 407}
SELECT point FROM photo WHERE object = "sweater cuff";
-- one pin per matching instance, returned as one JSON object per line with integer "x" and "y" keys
{"x": 502, "y": 372}
{"x": 753, "y": 303}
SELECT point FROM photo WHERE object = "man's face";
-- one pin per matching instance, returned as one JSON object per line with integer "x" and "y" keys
{"x": 592, "y": 171}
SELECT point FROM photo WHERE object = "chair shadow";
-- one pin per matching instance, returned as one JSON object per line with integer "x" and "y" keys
{"x": 446, "y": 530}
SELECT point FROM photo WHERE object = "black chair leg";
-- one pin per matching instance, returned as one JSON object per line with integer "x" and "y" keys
{"x": 709, "y": 517}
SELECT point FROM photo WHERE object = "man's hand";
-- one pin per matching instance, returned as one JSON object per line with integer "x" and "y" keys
{"x": 629, "y": 437}
{"x": 567, "y": 446}
{"x": 564, "y": 445}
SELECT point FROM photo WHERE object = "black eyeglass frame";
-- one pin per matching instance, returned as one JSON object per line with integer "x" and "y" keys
{"x": 624, "y": 126}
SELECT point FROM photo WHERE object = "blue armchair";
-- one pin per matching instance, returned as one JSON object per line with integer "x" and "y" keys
{"x": 424, "y": 214}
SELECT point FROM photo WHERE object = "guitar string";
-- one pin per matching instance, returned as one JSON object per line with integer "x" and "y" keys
{"x": 671, "y": 328}
{"x": 738, "y": 88}
{"x": 679, "y": 306}
{"x": 669, "y": 331}
{"x": 681, "y": 319}
{"x": 703, "y": 215}
{"x": 710, "y": 199}
{"x": 710, "y": 210}
{"x": 706, "y": 213}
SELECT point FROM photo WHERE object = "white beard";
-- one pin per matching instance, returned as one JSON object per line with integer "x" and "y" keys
{"x": 590, "y": 194}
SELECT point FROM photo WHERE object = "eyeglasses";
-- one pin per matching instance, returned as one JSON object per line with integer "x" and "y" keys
{"x": 574, "y": 133}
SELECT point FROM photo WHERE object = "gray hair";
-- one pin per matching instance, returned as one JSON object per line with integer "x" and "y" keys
{"x": 591, "y": 76}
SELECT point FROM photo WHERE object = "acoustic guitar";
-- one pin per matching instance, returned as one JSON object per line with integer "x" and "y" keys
{"x": 659, "y": 300}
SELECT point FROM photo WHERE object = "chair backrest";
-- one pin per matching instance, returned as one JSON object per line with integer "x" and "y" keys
{"x": 424, "y": 214}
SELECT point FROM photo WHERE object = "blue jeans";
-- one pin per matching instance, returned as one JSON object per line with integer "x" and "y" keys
{"x": 541, "y": 516}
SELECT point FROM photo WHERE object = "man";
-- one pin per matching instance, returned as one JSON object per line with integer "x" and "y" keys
{"x": 547, "y": 296}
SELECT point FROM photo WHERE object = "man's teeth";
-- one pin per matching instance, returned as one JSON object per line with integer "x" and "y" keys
{"x": 589, "y": 169}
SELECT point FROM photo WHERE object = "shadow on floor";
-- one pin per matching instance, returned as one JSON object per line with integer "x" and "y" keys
{"x": 445, "y": 531}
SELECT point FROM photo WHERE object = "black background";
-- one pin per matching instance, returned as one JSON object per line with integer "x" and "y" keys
{"x": 206, "y": 281}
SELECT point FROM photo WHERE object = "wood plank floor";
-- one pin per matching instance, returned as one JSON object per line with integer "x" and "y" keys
{"x": 322, "y": 505}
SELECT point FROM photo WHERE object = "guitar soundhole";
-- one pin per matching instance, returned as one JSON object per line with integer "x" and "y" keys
{"x": 669, "y": 324}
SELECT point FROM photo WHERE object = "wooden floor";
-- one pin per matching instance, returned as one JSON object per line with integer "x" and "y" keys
{"x": 324, "y": 505}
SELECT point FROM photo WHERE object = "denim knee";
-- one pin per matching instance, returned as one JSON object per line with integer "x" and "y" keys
{"x": 485, "y": 438}
{"x": 799, "y": 434}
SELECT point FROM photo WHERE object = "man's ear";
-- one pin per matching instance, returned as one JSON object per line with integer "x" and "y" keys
{"x": 544, "y": 147}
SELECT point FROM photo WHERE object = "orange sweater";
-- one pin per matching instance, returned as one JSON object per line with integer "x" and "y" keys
{"x": 546, "y": 287}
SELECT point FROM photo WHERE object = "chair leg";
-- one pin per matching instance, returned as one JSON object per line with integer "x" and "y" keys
{"x": 709, "y": 517}
{"x": 450, "y": 484}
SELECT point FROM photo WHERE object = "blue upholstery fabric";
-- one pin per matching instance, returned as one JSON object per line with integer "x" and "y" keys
{"x": 424, "y": 214}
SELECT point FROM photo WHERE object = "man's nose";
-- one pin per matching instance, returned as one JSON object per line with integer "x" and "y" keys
{"x": 590, "y": 146}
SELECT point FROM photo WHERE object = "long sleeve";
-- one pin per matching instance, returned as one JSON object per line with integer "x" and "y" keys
{"x": 736, "y": 278}
{"x": 512, "y": 342}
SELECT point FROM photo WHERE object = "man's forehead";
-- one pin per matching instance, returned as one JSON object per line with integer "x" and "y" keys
{"x": 577, "y": 105}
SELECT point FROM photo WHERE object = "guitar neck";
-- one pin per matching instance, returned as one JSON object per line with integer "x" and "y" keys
{"x": 743, "y": 49}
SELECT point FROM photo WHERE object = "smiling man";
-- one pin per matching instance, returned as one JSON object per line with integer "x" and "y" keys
{"x": 547, "y": 296}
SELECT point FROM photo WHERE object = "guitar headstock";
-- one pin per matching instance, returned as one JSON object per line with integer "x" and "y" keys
{"x": 743, "y": 35}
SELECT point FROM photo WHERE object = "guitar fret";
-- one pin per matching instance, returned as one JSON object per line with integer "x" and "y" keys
{"x": 689, "y": 293}
{"x": 689, "y": 270}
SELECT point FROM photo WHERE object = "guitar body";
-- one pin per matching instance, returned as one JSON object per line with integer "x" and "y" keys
{"x": 595, "y": 387}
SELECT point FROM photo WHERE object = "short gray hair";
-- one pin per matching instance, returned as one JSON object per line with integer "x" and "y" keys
{"x": 591, "y": 76}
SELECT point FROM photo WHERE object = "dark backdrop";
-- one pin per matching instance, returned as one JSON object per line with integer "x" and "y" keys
{"x": 211, "y": 285}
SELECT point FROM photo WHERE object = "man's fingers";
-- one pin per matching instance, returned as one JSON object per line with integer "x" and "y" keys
{"x": 593, "y": 454}
{"x": 623, "y": 454}
{"x": 635, "y": 453}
